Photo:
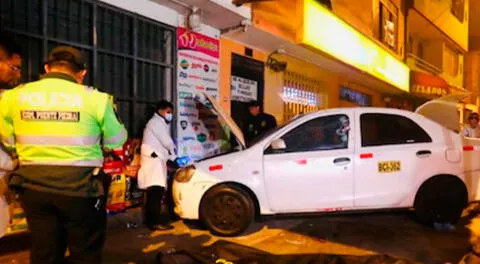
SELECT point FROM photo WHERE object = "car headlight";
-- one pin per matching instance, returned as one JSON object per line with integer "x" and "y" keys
{"x": 185, "y": 174}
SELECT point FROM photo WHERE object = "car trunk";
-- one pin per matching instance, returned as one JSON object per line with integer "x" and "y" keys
{"x": 444, "y": 111}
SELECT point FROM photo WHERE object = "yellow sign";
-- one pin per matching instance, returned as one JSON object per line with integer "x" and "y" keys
{"x": 324, "y": 31}
{"x": 389, "y": 166}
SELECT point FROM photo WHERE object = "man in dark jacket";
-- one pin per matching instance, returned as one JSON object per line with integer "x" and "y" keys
{"x": 257, "y": 122}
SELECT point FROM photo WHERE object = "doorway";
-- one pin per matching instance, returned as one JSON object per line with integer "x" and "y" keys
{"x": 247, "y": 84}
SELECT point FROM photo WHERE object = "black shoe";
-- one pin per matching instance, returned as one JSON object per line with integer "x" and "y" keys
{"x": 161, "y": 227}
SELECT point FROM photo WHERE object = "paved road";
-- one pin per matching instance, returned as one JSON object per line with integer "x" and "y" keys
{"x": 393, "y": 233}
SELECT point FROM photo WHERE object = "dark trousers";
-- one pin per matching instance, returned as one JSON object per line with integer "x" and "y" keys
{"x": 155, "y": 213}
{"x": 58, "y": 221}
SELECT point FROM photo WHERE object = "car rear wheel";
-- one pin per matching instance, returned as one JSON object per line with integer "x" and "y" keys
{"x": 227, "y": 210}
{"x": 441, "y": 200}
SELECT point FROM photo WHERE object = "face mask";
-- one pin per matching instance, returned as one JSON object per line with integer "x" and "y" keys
{"x": 169, "y": 117}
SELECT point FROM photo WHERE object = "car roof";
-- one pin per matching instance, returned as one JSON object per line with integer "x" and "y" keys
{"x": 363, "y": 109}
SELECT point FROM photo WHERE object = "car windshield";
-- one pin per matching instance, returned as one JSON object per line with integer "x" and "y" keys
{"x": 273, "y": 131}
{"x": 226, "y": 140}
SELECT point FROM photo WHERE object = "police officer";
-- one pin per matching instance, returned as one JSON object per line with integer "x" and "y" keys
{"x": 257, "y": 122}
{"x": 10, "y": 70}
{"x": 57, "y": 125}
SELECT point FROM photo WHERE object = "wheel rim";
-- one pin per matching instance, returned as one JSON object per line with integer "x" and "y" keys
{"x": 227, "y": 212}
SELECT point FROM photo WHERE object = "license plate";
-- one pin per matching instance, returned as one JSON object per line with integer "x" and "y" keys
{"x": 389, "y": 166}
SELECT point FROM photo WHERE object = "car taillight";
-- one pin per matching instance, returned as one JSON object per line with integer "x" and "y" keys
{"x": 468, "y": 148}
{"x": 185, "y": 174}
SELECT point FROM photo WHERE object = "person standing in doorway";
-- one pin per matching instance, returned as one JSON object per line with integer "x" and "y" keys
{"x": 57, "y": 125}
{"x": 158, "y": 148}
{"x": 472, "y": 129}
{"x": 257, "y": 122}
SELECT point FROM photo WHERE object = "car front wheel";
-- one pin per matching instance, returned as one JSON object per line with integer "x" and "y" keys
{"x": 227, "y": 210}
{"x": 441, "y": 200}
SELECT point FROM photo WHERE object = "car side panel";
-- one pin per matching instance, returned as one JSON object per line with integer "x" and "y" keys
{"x": 399, "y": 191}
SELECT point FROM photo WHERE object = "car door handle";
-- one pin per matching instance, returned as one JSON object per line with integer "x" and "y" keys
{"x": 341, "y": 161}
{"x": 424, "y": 153}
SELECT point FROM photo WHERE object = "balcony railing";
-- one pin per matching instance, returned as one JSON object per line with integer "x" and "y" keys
{"x": 424, "y": 65}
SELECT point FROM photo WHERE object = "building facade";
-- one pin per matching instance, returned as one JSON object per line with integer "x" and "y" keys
{"x": 323, "y": 54}
{"x": 130, "y": 46}
{"x": 472, "y": 58}
{"x": 437, "y": 45}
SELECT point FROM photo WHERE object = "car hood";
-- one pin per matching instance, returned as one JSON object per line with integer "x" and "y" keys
{"x": 237, "y": 132}
{"x": 443, "y": 110}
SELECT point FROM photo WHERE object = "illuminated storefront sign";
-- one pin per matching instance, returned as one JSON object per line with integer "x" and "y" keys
{"x": 428, "y": 86}
{"x": 298, "y": 96}
{"x": 324, "y": 31}
{"x": 355, "y": 97}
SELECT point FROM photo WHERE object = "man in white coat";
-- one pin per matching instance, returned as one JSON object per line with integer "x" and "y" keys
{"x": 157, "y": 149}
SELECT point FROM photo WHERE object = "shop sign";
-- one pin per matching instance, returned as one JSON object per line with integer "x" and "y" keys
{"x": 299, "y": 96}
{"x": 197, "y": 55}
{"x": 324, "y": 31}
{"x": 243, "y": 90}
{"x": 355, "y": 97}
{"x": 426, "y": 85}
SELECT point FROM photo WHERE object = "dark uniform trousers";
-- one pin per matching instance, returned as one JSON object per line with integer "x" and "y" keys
{"x": 57, "y": 221}
{"x": 155, "y": 207}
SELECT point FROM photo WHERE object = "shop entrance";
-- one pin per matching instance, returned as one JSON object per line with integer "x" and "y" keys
{"x": 247, "y": 84}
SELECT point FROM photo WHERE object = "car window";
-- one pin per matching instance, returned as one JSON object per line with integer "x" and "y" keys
{"x": 387, "y": 129}
{"x": 324, "y": 133}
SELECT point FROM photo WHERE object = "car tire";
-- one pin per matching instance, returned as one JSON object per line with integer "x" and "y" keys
{"x": 227, "y": 210}
{"x": 441, "y": 199}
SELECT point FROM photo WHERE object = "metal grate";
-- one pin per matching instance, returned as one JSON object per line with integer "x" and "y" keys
{"x": 70, "y": 20}
{"x": 302, "y": 94}
{"x": 24, "y": 15}
{"x": 115, "y": 31}
{"x": 132, "y": 58}
{"x": 116, "y": 75}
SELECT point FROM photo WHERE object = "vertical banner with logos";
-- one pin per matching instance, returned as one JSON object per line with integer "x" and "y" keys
{"x": 198, "y": 71}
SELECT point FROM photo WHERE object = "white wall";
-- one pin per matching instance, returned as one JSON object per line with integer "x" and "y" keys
{"x": 204, "y": 29}
{"x": 148, "y": 9}
{"x": 159, "y": 13}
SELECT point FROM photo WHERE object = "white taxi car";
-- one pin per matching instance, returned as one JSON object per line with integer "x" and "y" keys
{"x": 347, "y": 159}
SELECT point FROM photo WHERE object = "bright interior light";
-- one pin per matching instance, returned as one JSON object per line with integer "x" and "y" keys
{"x": 326, "y": 32}
{"x": 298, "y": 96}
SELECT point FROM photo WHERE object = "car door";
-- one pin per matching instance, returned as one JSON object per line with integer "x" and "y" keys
{"x": 313, "y": 170}
{"x": 390, "y": 150}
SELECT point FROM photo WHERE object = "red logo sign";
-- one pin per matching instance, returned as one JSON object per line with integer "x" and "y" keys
{"x": 198, "y": 42}
{"x": 196, "y": 65}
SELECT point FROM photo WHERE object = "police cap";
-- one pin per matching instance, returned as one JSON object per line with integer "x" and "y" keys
{"x": 68, "y": 54}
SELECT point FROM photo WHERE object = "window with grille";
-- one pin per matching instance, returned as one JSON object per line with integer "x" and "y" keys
{"x": 128, "y": 56}
{"x": 301, "y": 95}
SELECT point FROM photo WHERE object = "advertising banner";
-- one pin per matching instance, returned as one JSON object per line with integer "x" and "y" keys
{"x": 198, "y": 71}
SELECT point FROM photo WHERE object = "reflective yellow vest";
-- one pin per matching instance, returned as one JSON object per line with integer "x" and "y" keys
{"x": 56, "y": 121}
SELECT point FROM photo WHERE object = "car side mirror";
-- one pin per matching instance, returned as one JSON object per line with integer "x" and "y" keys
{"x": 278, "y": 144}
